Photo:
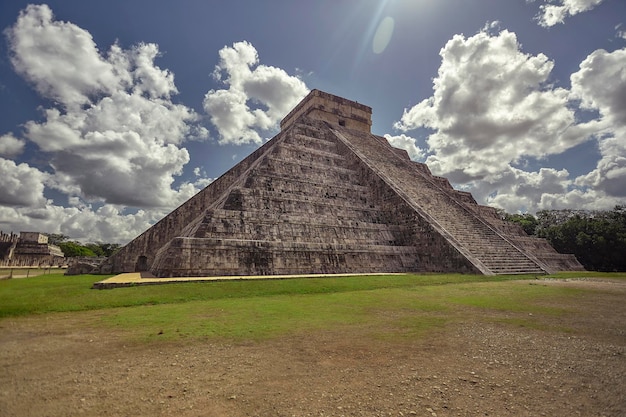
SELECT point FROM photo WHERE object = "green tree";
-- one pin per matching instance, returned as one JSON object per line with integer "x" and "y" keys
{"x": 109, "y": 249}
{"x": 103, "y": 249}
{"x": 527, "y": 221}
{"x": 598, "y": 239}
{"x": 95, "y": 248}
{"x": 56, "y": 238}
{"x": 72, "y": 249}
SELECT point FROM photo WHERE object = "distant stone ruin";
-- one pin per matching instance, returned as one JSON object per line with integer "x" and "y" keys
{"x": 327, "y": 196}
{"x": 28, "y": 249}
{"x": 78, "y": 265}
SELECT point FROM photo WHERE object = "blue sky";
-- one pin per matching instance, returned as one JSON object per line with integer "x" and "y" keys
{"x": 114, "y": 113}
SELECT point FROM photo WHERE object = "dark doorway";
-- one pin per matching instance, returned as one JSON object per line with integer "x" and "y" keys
{"x": 142, "y": 264}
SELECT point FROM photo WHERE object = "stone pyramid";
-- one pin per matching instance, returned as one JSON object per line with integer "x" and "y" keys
{"x": 327, "y": 196}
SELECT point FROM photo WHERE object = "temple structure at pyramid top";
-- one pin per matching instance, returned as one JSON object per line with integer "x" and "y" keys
{"x": 327, "y": 196}
{"x": 332, "y": 109}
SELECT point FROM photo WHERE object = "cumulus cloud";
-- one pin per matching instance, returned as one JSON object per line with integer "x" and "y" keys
{"x": 552, "y": 14}
{"x": 10, "y": 146}
{"x": 59, "y": 58}
{"x": 407, "y": 143}
{"x": 590, "y": 86}
{"x": 257, "y": 97}
{"x": 492, "y": 105}
{"x": 494, "y": 108}
{"x": 115, "y": 134}
{"x": 84, "y": 223}
{"x": 112, "y": 138}
{"x": 519, "y": 190}
{"x": 21, "y": 184}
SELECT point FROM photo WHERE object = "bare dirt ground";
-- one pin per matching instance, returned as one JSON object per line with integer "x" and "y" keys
{"x": 484, "y": 365}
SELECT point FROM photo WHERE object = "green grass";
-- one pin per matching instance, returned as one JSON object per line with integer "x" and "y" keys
{"x": 501, "y": 298}
{"x": 396, "y": 312}
{"x": 261, "y": 317}
{"x": 249, "y": 318}
{"x": 397, "y": 306}
{"x": 58, "y": 293}
{"x": 588, "y": 274}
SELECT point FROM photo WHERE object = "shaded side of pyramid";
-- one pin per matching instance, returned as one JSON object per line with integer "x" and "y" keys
{"x": 327, "y": 196}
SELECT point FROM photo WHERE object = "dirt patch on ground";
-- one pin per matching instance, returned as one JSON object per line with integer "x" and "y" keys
{"x": 495, "y": 364}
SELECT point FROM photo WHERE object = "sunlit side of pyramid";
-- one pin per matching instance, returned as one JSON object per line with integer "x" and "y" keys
{"x": 326, "y": 196}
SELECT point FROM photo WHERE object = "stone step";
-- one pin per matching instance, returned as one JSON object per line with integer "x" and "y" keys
{"x": 299, "y": 230}
{"x": 291, "y": 152}
{"x": 240, "y": 257}
{"x": 310, "y": 130}
{"x": 277, "y": 203}
{"x": 311, "y": 143}
{"x": 346, "y": 218}
{"x": 315, "y": 171}
{"x": 266, "y": 180}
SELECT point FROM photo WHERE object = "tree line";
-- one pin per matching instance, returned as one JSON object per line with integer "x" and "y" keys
{"x": 72, "y": 248}
{"x": 597, "y": 238}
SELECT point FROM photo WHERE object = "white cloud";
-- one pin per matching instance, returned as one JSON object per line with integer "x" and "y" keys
{"x": 258, "y": 96}
{"x": 493, "y": 108}
{"x": 407, "y": 143}
{"x": 202, "y": 179}
{"x": 23, "y": 208}
{"x": 116, "y": 134}
{"x": 10, "y": 146}
{"x": 516, "y": 190}
{"x": 59, "y": 58}
{"x": 619, "y": 33}
{"x": 113, "y": 137}
{"x": 552, "y": 14}
{"x": 105, "y": 224}
{"x": 21, "y": 184}
{"x": 590, "y": 86}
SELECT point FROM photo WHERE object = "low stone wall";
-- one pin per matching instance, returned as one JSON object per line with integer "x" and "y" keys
{"x": 39, "y": 261}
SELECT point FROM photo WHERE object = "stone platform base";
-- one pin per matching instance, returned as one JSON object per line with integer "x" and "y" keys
{"x": 134, "y": 279}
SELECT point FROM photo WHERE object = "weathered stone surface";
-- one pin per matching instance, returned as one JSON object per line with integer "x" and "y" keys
{"x": 327, "y": 196}
{"x": 29, "y": 249}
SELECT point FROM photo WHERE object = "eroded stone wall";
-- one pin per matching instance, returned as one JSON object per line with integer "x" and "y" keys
{"x": 144, "y": 248}
{"x": 29, "y": 249}
{"x": 303, "y": 209}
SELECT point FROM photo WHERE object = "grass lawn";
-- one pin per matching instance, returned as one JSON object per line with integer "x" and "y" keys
{"x": 396, "y": 305}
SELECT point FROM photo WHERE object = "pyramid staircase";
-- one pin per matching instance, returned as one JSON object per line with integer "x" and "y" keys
{"x": 481, "y": 243}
